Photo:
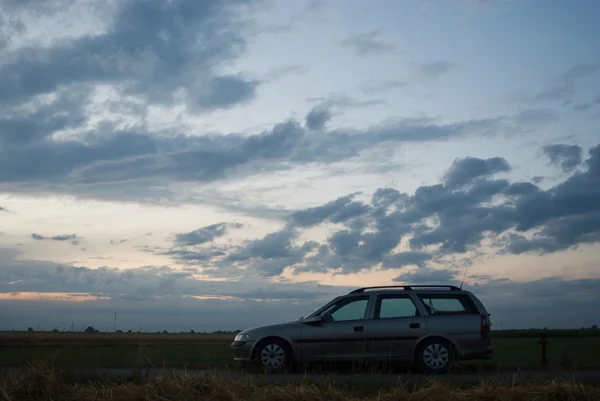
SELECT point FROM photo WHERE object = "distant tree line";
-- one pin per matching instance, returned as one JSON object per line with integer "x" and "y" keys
{"x": 91, "y": 329}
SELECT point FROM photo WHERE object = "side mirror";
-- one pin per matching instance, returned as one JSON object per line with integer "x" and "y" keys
{"x": 313, "y": 320}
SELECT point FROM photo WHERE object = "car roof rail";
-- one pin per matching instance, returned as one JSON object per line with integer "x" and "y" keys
{"x": 405, "y": 287}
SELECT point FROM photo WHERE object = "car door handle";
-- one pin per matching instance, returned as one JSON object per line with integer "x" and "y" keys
{"x": 415, "y": 325}
{"x": 359, "y": 328}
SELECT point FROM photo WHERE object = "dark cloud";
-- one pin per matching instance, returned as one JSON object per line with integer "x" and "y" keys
{"x": 151, "y": 49}
{"x": 567, "y": 157}
{"x": 270, "y": 255}
{"x": 369, "y": 43}
{"x": 113, "y": 163}
{"x": 437, "y": 222}
{"x": 463, "y": 171}
{"x": 73, "y": 238}
{"x": 3, "y": 209}
{"x": 204, "y": 234}
{"x": 317, "y": 118}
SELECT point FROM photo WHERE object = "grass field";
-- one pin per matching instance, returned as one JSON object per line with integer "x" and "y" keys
{"x": 108, "y": 350}
{"x": 38, "y": 385}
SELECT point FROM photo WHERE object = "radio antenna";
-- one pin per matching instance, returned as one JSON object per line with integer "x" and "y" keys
{"x": 464, "y": 275}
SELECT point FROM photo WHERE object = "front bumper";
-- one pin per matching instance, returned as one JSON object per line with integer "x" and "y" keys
{"x": 242, "y": 350}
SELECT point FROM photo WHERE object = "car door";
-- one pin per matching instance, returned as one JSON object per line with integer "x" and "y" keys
{"x": 395, "y": 328}
{"x": 341, "y": 333}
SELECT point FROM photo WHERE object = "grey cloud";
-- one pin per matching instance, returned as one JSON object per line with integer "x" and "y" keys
{"x": 158, "y": 298}
{"x": 339, "y": 210}
{"x": 273, "y": 245}
{"x": 226, "y": 91}
{"x": 369, "y": 43}
{"x": 64, "y": 237}
{"x": 463, "y": 171}
{"x": 434, "y": 69}
{"x": 343, "y": 101}
{"x": 204, "y": 234}
{"x": 567, "y": 157}
{"x": 133, "y": 55}
{"x": 593, "y": 163}
{"x": 3, "y": 209}
{"x": 317, "y": 117}
{"x": 537, "y": 179}
{"x": 536, "y": 118}
{"x": 117, "y": 164}
{"x": 426, "y": 275}
{"x": 373, "y": 87}
{"x": 584, "y": 106}
{"x": 563, "y": 87}
{"x": 142, "y": 294}
{"x": 407, "y": 258}
{"x": 438, "y": 221}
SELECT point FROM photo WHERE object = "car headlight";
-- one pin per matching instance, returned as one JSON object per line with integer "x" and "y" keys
{"x": 241, "y": 337}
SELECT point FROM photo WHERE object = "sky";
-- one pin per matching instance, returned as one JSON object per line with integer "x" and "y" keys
{"x": 216, "y": 165}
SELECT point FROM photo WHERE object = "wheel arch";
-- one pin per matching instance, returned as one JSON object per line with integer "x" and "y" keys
{"x": 287, "y": 342}
{"x": 453, "y": 343}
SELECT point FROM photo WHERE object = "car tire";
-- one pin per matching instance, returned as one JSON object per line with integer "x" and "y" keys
{"x": 434, "y": 356}
{"x": 273, "y": 355}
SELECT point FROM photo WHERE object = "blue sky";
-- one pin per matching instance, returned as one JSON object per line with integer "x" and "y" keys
{"x": 216, "y": 165}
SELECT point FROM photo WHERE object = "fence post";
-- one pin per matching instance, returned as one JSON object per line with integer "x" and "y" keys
{"x": 543, "y": 342}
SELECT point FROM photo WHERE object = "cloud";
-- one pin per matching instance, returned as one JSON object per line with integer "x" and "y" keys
{"x": 567, "y": 157}
{"x": 3, "y": 209}
{"x": 427, "y": 275}
{"x": 369, "y": 43}
{"x": 317, "y": 117}
{"x": 150, "y": 49}
{"x": 63, "y": 237}
{"x": 110, "y": 162}
{"x": 584, "y": 106}
{"x": 430, "y": 227}
{"x": 159, "y": 297}
{"x": 463, "y": 171}
{"x": 434, "y": 69}
{"x": 563, "y": 86}
{"x": 204, "y": 234}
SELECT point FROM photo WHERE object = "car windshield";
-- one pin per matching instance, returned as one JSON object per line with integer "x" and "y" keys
{"x": 314, "y": 312}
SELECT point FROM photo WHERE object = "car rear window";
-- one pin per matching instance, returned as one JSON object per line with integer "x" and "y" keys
{"x": 437, "y": 304}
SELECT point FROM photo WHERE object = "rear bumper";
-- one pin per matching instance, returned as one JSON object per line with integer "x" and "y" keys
{"x": 242, "y": 350}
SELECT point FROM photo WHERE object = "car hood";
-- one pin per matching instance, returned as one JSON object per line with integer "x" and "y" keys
{"x": 279, "y": 329}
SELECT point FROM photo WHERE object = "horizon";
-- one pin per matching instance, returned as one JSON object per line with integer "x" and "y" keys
{"x": 229, "y": 164}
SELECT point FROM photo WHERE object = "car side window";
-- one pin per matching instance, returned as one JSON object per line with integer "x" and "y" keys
{"x": 394, "y": 307}
{"x": 347, "y": 310}
{"x": 437, "y": 304}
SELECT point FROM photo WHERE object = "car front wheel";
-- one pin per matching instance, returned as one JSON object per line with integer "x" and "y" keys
{"x": 273, "y": 355}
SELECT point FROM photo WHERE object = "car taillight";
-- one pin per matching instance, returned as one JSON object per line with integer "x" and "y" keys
{"x": 485, "y": 324}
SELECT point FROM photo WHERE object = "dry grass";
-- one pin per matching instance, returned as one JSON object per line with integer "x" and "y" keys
{"x": 79, "y": 338}
{"x": 49, "y": 385}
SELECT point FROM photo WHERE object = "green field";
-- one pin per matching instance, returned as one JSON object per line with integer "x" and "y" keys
{"x": 108, "y": 350}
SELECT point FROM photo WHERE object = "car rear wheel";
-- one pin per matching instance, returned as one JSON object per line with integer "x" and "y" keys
{"x": 273, "y": 355}
{"x": 434, "y": 356}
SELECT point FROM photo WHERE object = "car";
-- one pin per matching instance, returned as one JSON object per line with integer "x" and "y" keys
{"x": 428, "y": 327}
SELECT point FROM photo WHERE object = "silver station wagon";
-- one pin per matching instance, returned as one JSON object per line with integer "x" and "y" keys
{"x": 427, "y": 327}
